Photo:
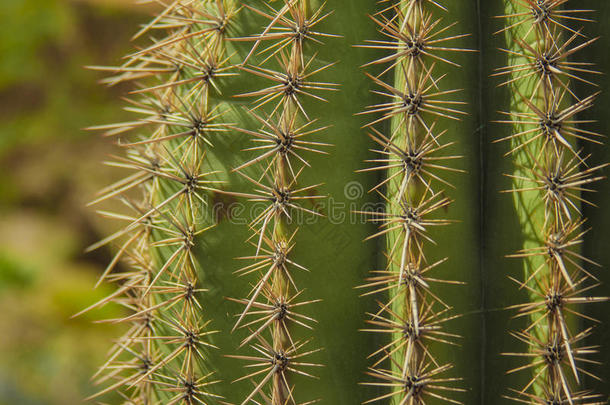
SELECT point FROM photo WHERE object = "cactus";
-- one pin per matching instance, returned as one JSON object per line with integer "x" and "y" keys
{"x": 252, "y": 123}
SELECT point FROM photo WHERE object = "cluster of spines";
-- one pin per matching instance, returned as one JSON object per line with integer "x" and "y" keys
{"x": 281, "y": 145}
{"x": 413, "y": 159}
{"x": 551, "y": 177}
{"x": 162, "y": 357}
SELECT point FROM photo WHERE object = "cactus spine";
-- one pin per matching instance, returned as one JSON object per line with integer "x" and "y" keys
{"x": 550, "y": 177}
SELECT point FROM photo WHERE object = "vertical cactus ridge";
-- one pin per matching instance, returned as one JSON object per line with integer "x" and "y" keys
{"x": 549, "y": 185}
{"x": 413, "y": 159}
{"x": 282, "y": 56}
{"x": 168, "y": 160}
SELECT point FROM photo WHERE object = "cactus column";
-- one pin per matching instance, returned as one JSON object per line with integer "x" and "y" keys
{"x": 414, "y": 158}
{"x": 549, "y": 183}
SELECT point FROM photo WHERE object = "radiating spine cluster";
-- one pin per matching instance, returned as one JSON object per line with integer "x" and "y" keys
{"x": 551, "y": 175}
{"x": 162, "y": 356}
{"x": 413, "y": 160}
{"x": 281, "y": 144}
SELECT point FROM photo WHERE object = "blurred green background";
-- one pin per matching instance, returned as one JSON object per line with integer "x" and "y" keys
{"x": 49, "y": 169}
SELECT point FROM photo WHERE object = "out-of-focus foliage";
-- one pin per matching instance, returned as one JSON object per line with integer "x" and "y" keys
{"x": 49, "y": 169}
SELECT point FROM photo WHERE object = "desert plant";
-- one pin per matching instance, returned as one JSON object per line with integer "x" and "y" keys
{"x": 249, "y": 144}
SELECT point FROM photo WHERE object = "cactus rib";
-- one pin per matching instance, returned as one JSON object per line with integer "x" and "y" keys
{"x": 413, "y": 158}
{"x": 548, "y": 185}
{"x": 163, "y": 355}
{"x": 271, "y": 311}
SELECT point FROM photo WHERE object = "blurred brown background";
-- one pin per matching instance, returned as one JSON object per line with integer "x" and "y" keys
{"x": 49, "y": 169}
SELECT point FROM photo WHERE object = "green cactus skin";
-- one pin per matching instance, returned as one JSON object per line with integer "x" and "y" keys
{"x": 487, "y": 226}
